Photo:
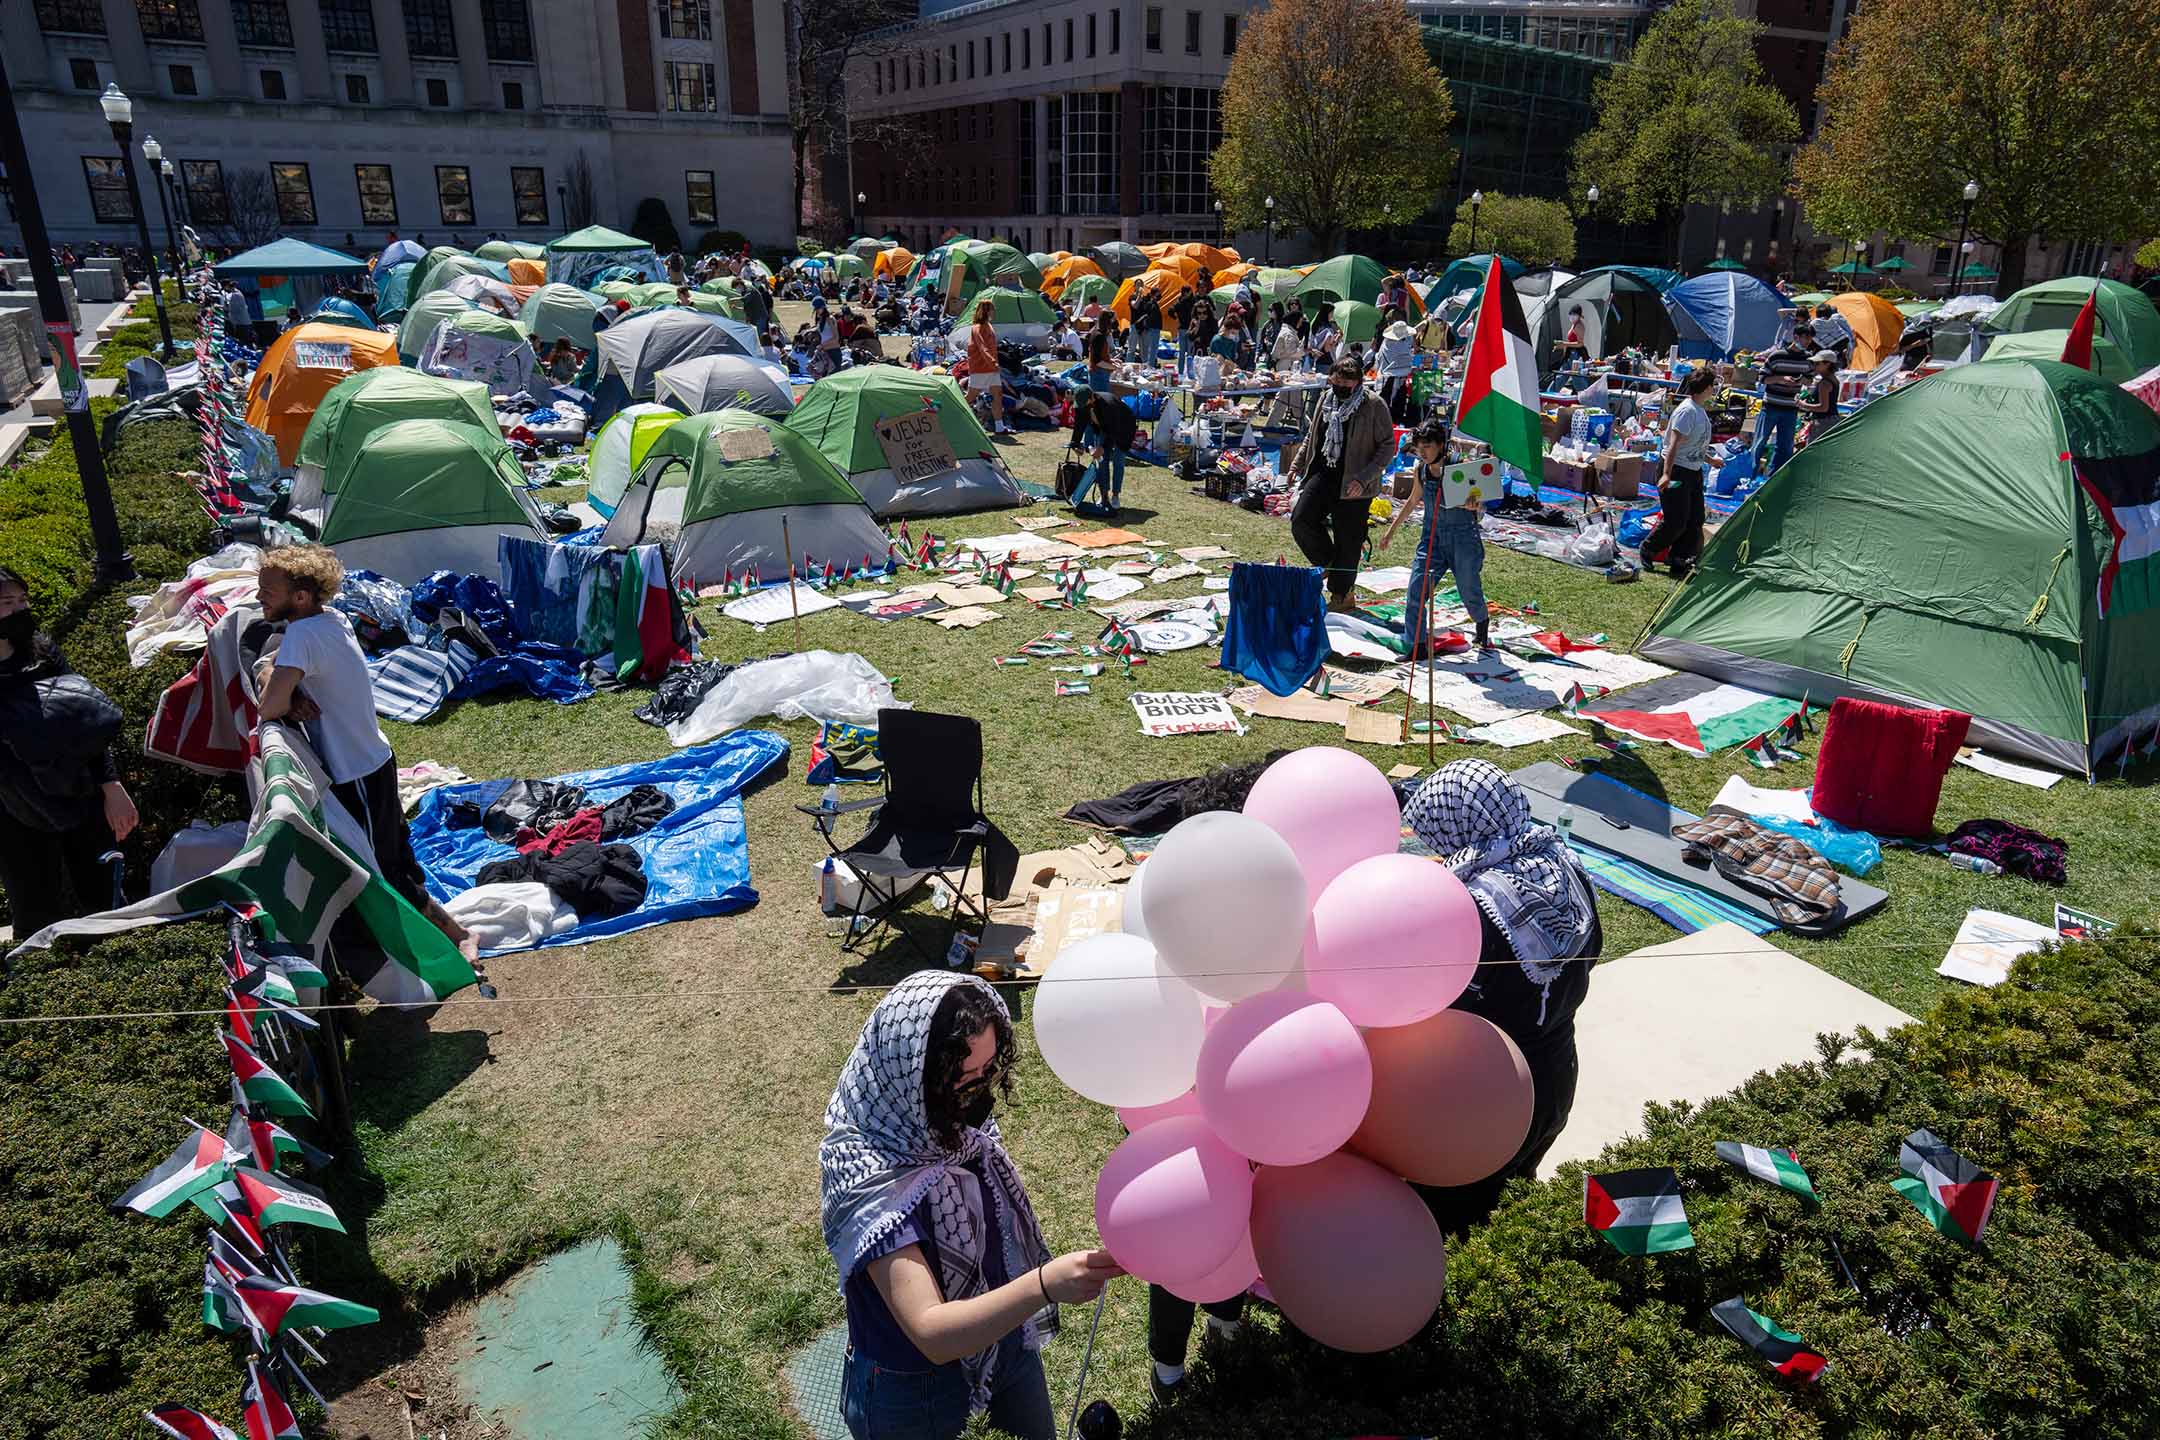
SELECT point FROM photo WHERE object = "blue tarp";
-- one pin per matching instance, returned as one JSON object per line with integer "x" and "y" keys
{"x": 697, "y": 860}
{"x": 1723, "y": 311}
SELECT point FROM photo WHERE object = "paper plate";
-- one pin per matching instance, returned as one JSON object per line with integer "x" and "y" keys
{"x": 1159, "y": 637}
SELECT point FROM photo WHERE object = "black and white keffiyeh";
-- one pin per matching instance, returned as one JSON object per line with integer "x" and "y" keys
{"x": 1335, "y": 412}
{"x": 1518, "y": 871}
{"x": 879, "y": 1162}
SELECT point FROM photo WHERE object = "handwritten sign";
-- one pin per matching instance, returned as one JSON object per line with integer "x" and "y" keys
{"x": 915, "y": 446}
{"x": 1173, "y": 712}
{"x": 321, "y": 355}
{"x": 1466, "y": 483}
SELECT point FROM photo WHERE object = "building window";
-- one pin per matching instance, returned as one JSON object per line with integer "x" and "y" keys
{"x": 71, "y": 17}
{"x": 262, "y": 22}
{"x": 528, "y": 194}
{"x": 686, "y": 19}
{"x": 356, "y": 89}
{"x": 273, "y": 85}
{"x": 1116, "y": 28}
{"x": 182, "y": 77}
{"x": 1047, "y": 51}
{"x": 170, "y": 20}
{"x": 109, "y": 202}
{"x": 82, "y": 73}
{"x": 513, "y": 94}
{"x": 1024, "y": 202}
{"x": 1180, "y": 126}
{"x": 1054, "y": 155}
{"x": 1027, "y": 49}
{"x": 453, "y": 194}
{"x": 1068, "y": 40}
{"x": 971, "y": 59}
{"x": 1091, "y": 36}
{"x": 1154, "y": 28}
{"x": 1940, "y": 265}
{"x": 378, "y": 197}
{"x": 204, "y": 183}
{"x": 508, "y": 28}
{"x": 1091, "y": 153}
{"x": 295, "y": 193}
{"x": 699, "y": 201}
{"x": 1008, "y": 52}
{"x": 430, "y": 33}
{"x": 348, "y": 25}
{"x": 690, "y": 86}
{"x": 1192, "y": 32}
{"x": 1229, "y": 35}
{"x": 952, "y": 63}
{"x": 438, "y": 92}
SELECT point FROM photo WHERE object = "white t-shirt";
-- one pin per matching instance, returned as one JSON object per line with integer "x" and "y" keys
{"x": 335, "y": 676}
{"x": 1687, "y": 435}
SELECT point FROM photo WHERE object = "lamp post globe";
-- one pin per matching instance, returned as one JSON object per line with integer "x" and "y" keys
{"x": 120, "y": 114}
{"x": 1477, "y": 201}
{"x": 1270, "y": 230}
{"x": 1957, "y": 267}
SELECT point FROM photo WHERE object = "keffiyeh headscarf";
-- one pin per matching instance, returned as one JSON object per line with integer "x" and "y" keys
{"x": 879, "y": 1162}
{"x": 1517, "y": 870}
{"x": 1334, "y": 411}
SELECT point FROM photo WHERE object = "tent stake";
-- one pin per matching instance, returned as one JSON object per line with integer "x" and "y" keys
{"x": 787, "y": 549}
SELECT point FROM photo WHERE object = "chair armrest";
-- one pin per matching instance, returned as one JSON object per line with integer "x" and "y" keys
{"x": 845, "y": 808}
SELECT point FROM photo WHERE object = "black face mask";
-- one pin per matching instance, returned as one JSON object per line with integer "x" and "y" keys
{"x": 974, "y": 1110}
{"x": 1343, "y": 392}
{"x": 19, "y": 629}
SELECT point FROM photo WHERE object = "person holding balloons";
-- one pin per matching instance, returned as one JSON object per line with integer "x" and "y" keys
{"x": 1539, "y": 916}
{"x": 946, "y": 1277}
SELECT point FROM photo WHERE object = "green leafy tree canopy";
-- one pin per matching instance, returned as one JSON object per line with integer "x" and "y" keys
{"x": 1534, "y": 231}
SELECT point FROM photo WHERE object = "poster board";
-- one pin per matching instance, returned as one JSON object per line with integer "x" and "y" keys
{"x": 1172, "y": 712}
{"x": 915, "y": 446}
{"x": 321, "y": 355}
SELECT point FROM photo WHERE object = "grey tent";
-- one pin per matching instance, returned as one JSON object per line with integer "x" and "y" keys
{"x": 1119, "y": 260}
{"x": 1620, "y": 308}
{"x": 724, "y": 382}
{"x": 639, "y": 347}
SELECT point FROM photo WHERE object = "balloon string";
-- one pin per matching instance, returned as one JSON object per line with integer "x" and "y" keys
{"x": 1087, "y": 1358}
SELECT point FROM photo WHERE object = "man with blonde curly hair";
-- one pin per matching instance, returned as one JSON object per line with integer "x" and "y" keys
{"x": 337, "y": 707}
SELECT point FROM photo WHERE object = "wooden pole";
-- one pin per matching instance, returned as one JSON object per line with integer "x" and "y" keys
{"x": 787, "y": 547}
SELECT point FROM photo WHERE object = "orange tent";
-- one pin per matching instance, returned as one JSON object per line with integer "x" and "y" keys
{"x": 1183, "y": 266}
{"x": 892, "y": 264}
{"x": 1231, "y": 274}
{"x": 1060, "y": 273}
{"x": 527, "y": 272}
{"x": 298, "y": 370}
{"x": 1158, "y": 249}
{"x": 1217, "y": 258}
{"x": 1164, "y": 285}
{"x": 1876, "y": 325}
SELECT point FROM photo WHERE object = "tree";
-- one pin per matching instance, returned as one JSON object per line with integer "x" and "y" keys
{"x": 1686, "y": 120}
{"x": 821, "y": 37}
{"x": 655, "y": 226}
{"x": 1536, "y": 232}
{"x": 579, "y": 206}
{"x": 1334, "y": 108}
{"x": 251, "y": 210}
{"x": 2047, "y": 104}
{"x": 2148, "y": 256}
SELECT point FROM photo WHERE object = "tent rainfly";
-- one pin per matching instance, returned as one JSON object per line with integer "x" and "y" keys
{"x": 619, "y": 447}
{"x": 362, "y": 403}
{"x": 579, "y": 257}
{"x": 299, "y": 369}
{"x": 840, "y": 415}
{"x": 560, "y": 312}
{"x": 712, "y": 383}
{"x": 428, "y": 495}
{"x": 288, "y": 257}
{"x": 2125, "y": 315}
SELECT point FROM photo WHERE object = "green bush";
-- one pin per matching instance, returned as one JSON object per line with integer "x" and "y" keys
{"x": 2048, "y": 1330}
{"x": 101, "y": 1314}
{"x": 726, "y": 242}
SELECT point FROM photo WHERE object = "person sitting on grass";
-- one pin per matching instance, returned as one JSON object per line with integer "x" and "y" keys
{"x": 943, "y": 1268}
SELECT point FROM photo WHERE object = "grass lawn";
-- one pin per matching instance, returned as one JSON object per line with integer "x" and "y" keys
{"x": 671, "y": 1083}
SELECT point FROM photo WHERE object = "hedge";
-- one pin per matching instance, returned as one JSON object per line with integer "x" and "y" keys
{"x": 2051, "y": 1328}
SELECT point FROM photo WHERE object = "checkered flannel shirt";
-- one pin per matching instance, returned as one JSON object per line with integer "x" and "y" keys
{"x": 1799, "y": 883}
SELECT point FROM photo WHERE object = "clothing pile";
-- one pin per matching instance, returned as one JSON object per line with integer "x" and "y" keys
{"x": 178, "y": 615}
{"x": 2015, "y": 848}
{"x": 617, "y": 607}
{"x": 1800, "y": 885}
{"x": 465, "y": 645}
{"x": 566, "y": 844}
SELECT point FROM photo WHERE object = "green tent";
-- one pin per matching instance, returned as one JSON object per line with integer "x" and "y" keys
{"x": 1358, "y": 321}
{"x": 2109, "y": 362}
{"x": 1224, "y": 296}
{"x": 2125, "y": 316}
{"x": 1346, "y": 277}
{"x": 560, "y": 312}
{"x": 1081, "y": 289}
{"x": 986, "y": 263}
{"x": 746, "y": 495}
{"x": 849, "y": 266}
{"x": 511, "y": 250}
{"x": 290, "y": 257}
{"x": 574, "y": 259}
{"x": 362, "y": 403}
{"x": 1948, "y": 546}
{"x": 707, "y": 303}
{"x": 428, "y": 495}
{"x": 641, "y": 294}
{"x": 425, "y": 313}
{"x": 1014, "y": 307}
{"x": 1813, "y": 298}
{"x": 620, "y": 448}
{"x": 840, "y": 415}
{"x": 443, "y": 265}
{"x": 1914, "y": 309}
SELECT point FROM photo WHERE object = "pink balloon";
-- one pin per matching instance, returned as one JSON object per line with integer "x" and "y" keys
{"x": 1284, "y": 1078}
{"x": 1233, "y": 1277}
{"x": 1172, "y": 1201}
{"x": 1333, "y": 806}
{"x": 1351, "y": 1255}
{"x": 1136, "y": 1118}
{"x": 1397, "y": 940}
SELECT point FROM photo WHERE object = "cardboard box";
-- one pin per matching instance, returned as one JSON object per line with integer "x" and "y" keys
{"x": 1620, "y": 476}
{"x": 1552, "y": 426}
{"x": 1563, "y": 476}
{"x": 1746, "y": 377}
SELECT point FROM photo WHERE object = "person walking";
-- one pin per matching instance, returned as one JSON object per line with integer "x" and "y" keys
{"x": 1394, "y": 357}
{"x": 985, "y": 383}
{"x": 1286, "y": 346}
{"x": 1181, "y": 314}
{"x": 1678, "y": 536}
{"x": 1146, "y": 333}
{"x": 1336, "y": 475}
{"x": 1321, "y": 341}
{"x": 1106, "y": 427}
{"x": 1448, "y": 541}
{"x": 1785, "y": 371}
{"x": 948, "y": 1284}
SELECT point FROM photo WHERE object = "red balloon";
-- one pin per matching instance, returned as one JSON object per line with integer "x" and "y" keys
{"x": 1350, "y": 1252}
{"x": 1451, "y": 1099}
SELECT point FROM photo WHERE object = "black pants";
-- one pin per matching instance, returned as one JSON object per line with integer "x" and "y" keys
{"x": 52, "y": 876}
{"x": 1553, "y": 1073}
{"x": 1678, "y": 536}
{"x": 1169, "y": 1322}
{"x": 1331, "y": 533}
{"x": 1396, "y": 391}
{"x": 373, "y": 801}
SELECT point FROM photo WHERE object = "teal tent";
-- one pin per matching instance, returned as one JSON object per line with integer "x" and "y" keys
{"x": 289, "y": 257}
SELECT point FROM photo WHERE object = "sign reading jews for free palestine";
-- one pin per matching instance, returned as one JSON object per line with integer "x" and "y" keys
{"x": 1175, "y": 712}
{"x": 915, "y": 446}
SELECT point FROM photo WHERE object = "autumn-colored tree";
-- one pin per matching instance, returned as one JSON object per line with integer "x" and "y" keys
{"x": 1536, "y": 232}
{"x": 2051, "y": 106}
{"x": 1334, "y": 108}
{"x": 1686, "y": 119}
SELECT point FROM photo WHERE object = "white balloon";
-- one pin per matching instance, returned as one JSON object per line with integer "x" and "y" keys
{"x": 1226, "y": 905}
{"x": 1135, "y": 923}
{"x": 1117, "y": 1026}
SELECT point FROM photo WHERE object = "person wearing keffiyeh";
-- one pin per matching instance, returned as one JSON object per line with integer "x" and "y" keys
{"x": 1541, "y": 937}
{"x": 1337, "y": 473}
{"x": 947, "y": 1281}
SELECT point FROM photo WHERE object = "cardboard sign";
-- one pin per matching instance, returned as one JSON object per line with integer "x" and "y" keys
{"x": 915, "y": 446}
{"x": 321, "y": 355}
{"x": 1173, "y": 712}
{"x": 74, "y": 392}
{"x": 1465, "y": 483}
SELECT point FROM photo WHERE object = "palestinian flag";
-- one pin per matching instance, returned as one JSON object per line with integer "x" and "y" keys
{"x": 278, "y": 1307}
{"x": 1572, "y": 702}
{"x": 222, "y": 1308}
{"x": 1003, "y": 580}
{"x": 224, "y": 1205}
{"x": 1760, "y": 752}
{"x": 1783, "y": 1350}
{"x": 1499, "y": 402}
{"x": 266, "y": 1141}
{"x": 1780, "y": 1167}
{"x": 1554, "y": 643}
{"x": 1639, "y": 1212}
{"x": 2126, "y": 492}
{"x": 263, "y": 1409}
{"x": 644, "y": 616}
{"x": 228, "y": 1262}
{"x": 1692, "y": 713}
{"x": 273, "y": 1199}
{"x": 262, "y": 1085}
{"x": 1794, "y": 730}
{"x": 1955, "y": 1194}
{"x": 296, "y": 963}
{"x": 198, "y": 1164}
{"x": 185, "y": 1424}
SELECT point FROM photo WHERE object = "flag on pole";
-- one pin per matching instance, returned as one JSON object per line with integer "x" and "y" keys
{"x": 266, "y": 1141}
{"x": 197, "y": 1164}
{"x": 279, "y": 1307}
{"x": 1499, "y": 401}
{"x": 1784, "y": 1351}
{"x": 262, "y": 1085}
{"x": 1574, "y": 700}
{"x": 222, "y": 1309}
{"x": 1639, "y": 1212}
{"x": 263, "y": 1409}
{"x": 1759, "y": 753}
{"x": 273, "y": 1199}
{"x": 185, "y": 1424}
{"x": 2078, "y": 348}
{"x": 1781, "y": 1167}
{"x": 1955, "y": 1194}
{"x": 224, "y": 1206}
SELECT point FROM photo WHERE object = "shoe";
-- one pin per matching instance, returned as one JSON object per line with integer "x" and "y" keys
{"x": 1163, "y": 1394}
{"x": 1483, "y": 640}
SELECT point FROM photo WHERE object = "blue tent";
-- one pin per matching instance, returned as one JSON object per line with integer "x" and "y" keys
{"x": 339, "y": 311}
{"x": 1722, "y": 312}
{"x": 393, "y": 288}
{"x": 1468, "y": 273}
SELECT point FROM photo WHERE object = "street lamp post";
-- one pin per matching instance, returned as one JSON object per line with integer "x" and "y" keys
{"x": 120, "y": 114}
{"x": 1218, "y": 225}
{"x": 1477, "y": 199}
{"x": 861, "y": 200}
{"x": 562, "y": 203}
{"x": 1860, "y": 249}
{"x": 1270, "y": 257}
{"x": 113, "y": 561}
{"x": 1387, "y": 221}
{"x": 1957, "y": 264}
{"x": 160, "y": 167}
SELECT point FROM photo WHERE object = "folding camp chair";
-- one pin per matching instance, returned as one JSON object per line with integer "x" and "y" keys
{"x": 928, "y": 821}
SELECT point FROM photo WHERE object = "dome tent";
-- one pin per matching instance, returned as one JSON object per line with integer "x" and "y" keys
{"x": 1082, "y": 290}
{"x": 2125, "y": 316}
{"x": 1620, "y": 308}
{"x": 1468, "y": 274}
{"x": 985, "y": 263}
{"x": 508, "y": 250}
{"x": 1982, "y": 540}
{"x": 299, "y": 368}
{"x": 1875, "y": 323}
{"x": 579, "y": 257}
{"x": 481, "y": 345}
{"x": 840, "y": 414}
{"x": 1119, "y": 260}
{"x": 359, "y": 405}
{"x": 393, "y": 287}
{"x": 428, "y": 495}
{"x": 488, "y": 294}
{"x": 2109, "y": 362}
{"x": 1165, "y": 285}
{"x": 443, "y": 266}
{"x": 723, "y": 382}
{"x": 1060, "y": 273}
{"x": 1350, "y": 277}
{"x": 638, "y": 347}
{"x": 560, "y": 312}
{"x": 619, "y": 447}
{"x": 418, "y": 326}
{"x": 739, "y": 489}
{"x": 336, "y": 310}
{"x": 1723, "y": 311}
{"x": 1018, "y": 315}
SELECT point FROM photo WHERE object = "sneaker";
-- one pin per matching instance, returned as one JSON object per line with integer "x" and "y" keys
{"x": 1163, "y": 1393}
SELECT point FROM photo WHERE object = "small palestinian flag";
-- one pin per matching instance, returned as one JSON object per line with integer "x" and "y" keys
{"x": 224, "y": 1205}
{"x": 927, "y": 551}
{"x": 278, "y": 1307}
{"x": 1955, "y": 1194}
{"x": 1784, "y": 1350}
{"x": 186, "y": 1424}
{"x": 273, "y": 1199}
{"x": 1780, "y": 1167}
{"x": 1115, "y": 639}
{"x": 198, "y": 1164}
{"x": 727, "y": 580}
{"x": 266, "y": 1141}
{"x": 1760, "y": 752}
{"x": 1794, "y": 730}
{"x": 264, "y": 1411}
{"x": 1639, "y": 1212}
{"x": 297, "y": 963}
{"x": 1574, "y": 700}
{"x": 826, "y": 577}
{"x": 227, "y": 1260}
{"x": 262, "y": 1085}
{"x": 222, "y": 1309}
{"x": 1004, "y": 578}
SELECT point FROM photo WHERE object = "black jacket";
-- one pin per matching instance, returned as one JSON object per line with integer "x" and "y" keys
{"x": 56, "y": 734}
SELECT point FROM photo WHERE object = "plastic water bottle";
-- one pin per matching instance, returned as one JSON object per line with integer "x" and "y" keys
{"x": 1566, "y": 823}
{"x": 830, "y": 806}
{"x": 1978, "y": 864}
